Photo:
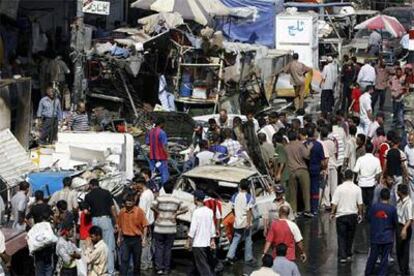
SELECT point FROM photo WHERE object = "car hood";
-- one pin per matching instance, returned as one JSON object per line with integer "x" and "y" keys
{"x": 177, "y": 124}
{"x": 221, "y": 173}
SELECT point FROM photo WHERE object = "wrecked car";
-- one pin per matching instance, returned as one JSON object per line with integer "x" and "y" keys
{"x": 221, "y": 182}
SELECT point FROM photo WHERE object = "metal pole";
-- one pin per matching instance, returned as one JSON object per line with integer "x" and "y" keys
{"x": 78, "y": 47}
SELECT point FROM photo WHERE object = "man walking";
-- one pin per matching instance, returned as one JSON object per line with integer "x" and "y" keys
{"x": 49, "y": 114}
{"x": 403, "y": 234}
{"x": 347, "y": 209}
{"x": 329, "y": 77}
{"x": 167, "y": 207}
{"x": 398, "y": 89}
{"x": 381, "y": 83}
{"x": 299, "y": 175}
{"x": 158, "y": 142}
{"x": 201, "y": 236}
{"x": 409, "y": 153}
{"x": 242, "y": 203}
{"x": 366, "y": 76}
{"x": 383, "y": 221}
{"x": 102, "y": 210}
{"x": 368, "y": 168}
{"x": 285, "y": 231}
{"x": 297, "y": 71}
{"x": 132, "y": 235}
{"x": 365, "y": 110}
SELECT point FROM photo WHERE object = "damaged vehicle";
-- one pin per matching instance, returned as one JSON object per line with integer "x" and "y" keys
{"x": 221, "y": 182}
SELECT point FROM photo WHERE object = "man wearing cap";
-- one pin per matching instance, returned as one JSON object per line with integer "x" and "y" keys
{"x": 271, "y": 211}
{"x": 158, "y": 142}
{"x": 201, "y": 235}
{"x": 329, "y": 77}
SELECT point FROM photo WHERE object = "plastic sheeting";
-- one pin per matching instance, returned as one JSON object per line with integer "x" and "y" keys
{"x": 48, "y": 182}
{"x": 261, "y": 30}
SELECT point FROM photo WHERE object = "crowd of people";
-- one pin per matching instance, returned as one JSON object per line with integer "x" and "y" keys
{"x": 344, "y": 163}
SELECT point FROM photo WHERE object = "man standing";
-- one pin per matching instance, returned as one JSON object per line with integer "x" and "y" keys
{"x": 331, "y": 174}
{"x": 347, "y": 78}
{"x": 395, "y": 162}
{"x": 329, "y": 77}
{"x": 350, "y": 150}
{"x": 285, "y": 231}
{"x": 403, "y": 234}
{"x": 167, "y": 207}
{"x": 297, "y": 71}
{"x": 39, "y": 211}
{"x": 379, "y": 122}
{"x": 347, "y": 209}
{"x": 145, "y": 201}
{"x": 201, "y": 235}
{"x": 266, "y": 269}
{"x": 79, "y": 120}
{"x": 317, "y": 163}
{"x": 383, "y": 220}
{"x": 368, "y": 168}
{"x": 366, "y": 76}
{"x": 271, "y": 211}
{"x": 158, "y": 142}
{"x": 102, "y": 210}
{"x": 132, "y": 235}
{"x": 50, "y": 113}
{"x": 66, "y": 194}
{"x": 242, "y": 203}
{"x": 409, "y": 153}
{"x": 365, "y": 110}
{"x": 281, "y": 173}
{"x": 272, "y": 127}
{"x": 381, "y": 83}
{"x": 268, "y": 151}
{"x": 374, "y": 43}
{"x": 96, "y": 253}
{"x": 19, "y": 204}
{"x": 224, "y": 121}
{"x": 398, "y": 89}
{"x": 299, "y": 175}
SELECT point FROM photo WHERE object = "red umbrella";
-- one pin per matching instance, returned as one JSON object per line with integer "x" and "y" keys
{"x": 383, "y": 22}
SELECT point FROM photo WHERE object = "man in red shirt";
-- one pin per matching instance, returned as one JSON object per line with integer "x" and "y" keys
{"x": 285, "y": 231}
{"x": 384, "y": 147}
{"x": 158, "y": 141}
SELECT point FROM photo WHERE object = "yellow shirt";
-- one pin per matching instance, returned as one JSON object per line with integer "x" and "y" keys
{"x": 97, "y": 259}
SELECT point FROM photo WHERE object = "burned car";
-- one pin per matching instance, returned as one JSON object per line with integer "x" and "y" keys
{"x": 221, "y": 182}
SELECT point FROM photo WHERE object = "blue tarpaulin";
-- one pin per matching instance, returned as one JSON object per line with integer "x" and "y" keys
{"x": 48, "y": 182}
{"x": 260, "y": 31}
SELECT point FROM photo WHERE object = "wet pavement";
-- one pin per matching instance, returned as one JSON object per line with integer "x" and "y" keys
{"x": 319, "y": 236}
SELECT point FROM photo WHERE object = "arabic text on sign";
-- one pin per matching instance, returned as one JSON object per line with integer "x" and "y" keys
{"x": 293, "y": 30}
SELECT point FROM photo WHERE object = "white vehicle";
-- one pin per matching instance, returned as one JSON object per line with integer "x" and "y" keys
{"x": 221, "y": 182}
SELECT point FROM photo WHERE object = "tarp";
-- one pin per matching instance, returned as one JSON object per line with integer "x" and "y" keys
{"x": 48, "y": 182}
{"x": 261, "y": 30}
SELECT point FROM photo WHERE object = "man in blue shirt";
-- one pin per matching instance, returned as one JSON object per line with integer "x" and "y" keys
{"x": 50, "y": 113}
{"x": 383, "y": 219}
{"x": 317, "y": 161}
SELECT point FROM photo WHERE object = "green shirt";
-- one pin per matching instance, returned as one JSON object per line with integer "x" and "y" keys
{"x": 281, "y": 158}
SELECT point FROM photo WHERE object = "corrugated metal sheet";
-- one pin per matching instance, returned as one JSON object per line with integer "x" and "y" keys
{"x": 15, "y": 162}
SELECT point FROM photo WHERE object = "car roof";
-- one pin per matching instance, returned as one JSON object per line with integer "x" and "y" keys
{"x": 221, "y": 173}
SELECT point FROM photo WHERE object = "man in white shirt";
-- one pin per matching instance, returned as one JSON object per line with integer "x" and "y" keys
{"x": 66, "y": 194}
{"x": 368, "y": 168}
{"x": 374, "y": 43}
{"x": 409, "y": 152}
{"x": 18, "y": 205}
{"x": 242, "y": 203}
{"x": 350, "y": 150}
{"x": 329, "y": 77}
{"x": 404, "y": 231}
{"x": 372, "y": 128}
{"x": 365, "y": 109}
{"x": 347, "y": 209}
{"x": 201, "y": 235}
{"x": 366, "y": 76}
{"x": 272, "y": 127}
{"x": 3, "y": 255}
{"x": 145, "y": 201}
{"x": 205, "y": 156}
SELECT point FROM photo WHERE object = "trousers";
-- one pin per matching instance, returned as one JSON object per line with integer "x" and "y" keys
{"x": 202, "y": 261}
{"x": 163, "y": 246}
{"x": 315, "y": 179}
{"x": 375, "y": 251}
{"x": 403, "y": 250}
{"x": 131, "y": 246}
{"x": 367, "y": 197}
{"x": 378, "y": 94}
{"x": 327, "y": 101}
{"x": 345, "y": 230}
{"x": 299, "y": 96}
{"x": 49, "y": 129}
{"x": 398, "y": 114}
{"x": 331, "y": 184}
{"x": 162, "y": 169}
{"x": 239, "y": 235}
{"x": 296, "y": 178}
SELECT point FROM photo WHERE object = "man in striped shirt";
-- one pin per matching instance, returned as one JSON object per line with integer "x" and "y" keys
{"x": 78, "y": 120}
{"x": 167, "y": 207}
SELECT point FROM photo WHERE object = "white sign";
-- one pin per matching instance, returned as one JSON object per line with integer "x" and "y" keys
{"x": 295, "y": 30}
{"x": 96, "y": 7}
